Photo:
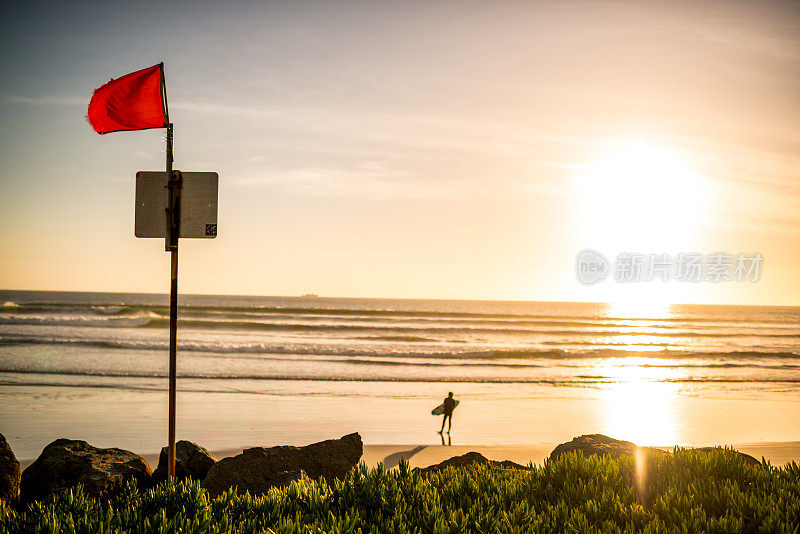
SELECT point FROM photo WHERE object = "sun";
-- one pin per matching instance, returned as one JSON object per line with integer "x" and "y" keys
{"x": 637, "y": 195}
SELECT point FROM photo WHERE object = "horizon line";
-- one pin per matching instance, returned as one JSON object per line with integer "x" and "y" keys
{"x": 466, "y": 299}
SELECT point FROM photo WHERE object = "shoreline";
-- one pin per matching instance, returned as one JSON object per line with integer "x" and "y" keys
{"x": 777, "y": 453}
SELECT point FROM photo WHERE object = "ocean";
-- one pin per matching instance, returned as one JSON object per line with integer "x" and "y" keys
{"x": 83, "y": 362}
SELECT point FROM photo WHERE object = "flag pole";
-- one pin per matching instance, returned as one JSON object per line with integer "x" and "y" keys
{"x": 173, "y": 228}
{"x": 173, "y": 188}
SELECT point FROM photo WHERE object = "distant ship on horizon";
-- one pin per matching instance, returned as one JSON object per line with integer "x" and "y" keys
{"x": 309, "y": 295}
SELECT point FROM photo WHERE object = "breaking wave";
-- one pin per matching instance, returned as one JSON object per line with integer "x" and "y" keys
{"x": 577, "y": 380}
{"x": 365, "y": 350}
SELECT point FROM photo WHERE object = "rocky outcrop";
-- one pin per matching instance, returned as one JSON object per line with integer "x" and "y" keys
{"x": 746, "y": 457}
{"x": 66, "y": 463}
{"x": 471, "y": 458}
{"x": 286, "y": 478}
{"x": 191, "y": 461}
{"x": 9, "y": 472}
{"x": 599, "y": 444}
{"x": 257, "y": 469}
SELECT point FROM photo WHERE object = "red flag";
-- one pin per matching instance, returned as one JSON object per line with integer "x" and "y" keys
{"x": 132, "y": 102}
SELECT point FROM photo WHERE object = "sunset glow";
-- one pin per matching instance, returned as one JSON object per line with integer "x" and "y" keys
{"x": 473, "y": 161}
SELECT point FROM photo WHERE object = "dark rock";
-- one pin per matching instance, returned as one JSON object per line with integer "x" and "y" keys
{"x": 255, "y": 468}
{"x": 9, "y": 472}
{"x": 191, "y": 461}
{"x": 599, "y": 444}
{"x": 287, "y": 477}
{"x": 66, "y": 462}
{"x": 590, "y": 444}
{"x": 469, "y": 459}
{"x": 746, "y": 457}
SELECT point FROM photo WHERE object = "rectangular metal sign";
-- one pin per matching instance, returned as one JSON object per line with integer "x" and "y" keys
{"x": 198, "y": 204}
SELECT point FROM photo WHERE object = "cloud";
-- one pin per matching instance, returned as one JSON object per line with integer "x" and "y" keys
{"x": 49, "y": 100}
{"x": 368, "y": 180}
{"x": 211, "y": 108}
{"x": 767, "y": 45}
{"x": 421, "y": 132}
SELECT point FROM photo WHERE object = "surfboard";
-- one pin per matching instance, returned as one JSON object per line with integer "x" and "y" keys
{"x": 439, "y": 410}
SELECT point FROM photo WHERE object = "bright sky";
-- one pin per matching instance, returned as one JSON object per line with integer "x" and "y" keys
{"x": 410, "y": 149}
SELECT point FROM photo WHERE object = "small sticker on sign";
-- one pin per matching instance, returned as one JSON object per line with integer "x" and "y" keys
{"x": 211, "y": 230}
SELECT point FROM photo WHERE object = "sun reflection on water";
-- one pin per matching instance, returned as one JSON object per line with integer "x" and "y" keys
{"x": 640, "y": 411}
{"x": 639, "y": 405}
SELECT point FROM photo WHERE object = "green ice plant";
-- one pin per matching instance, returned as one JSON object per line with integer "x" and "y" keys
{"x": 686, "y": 491}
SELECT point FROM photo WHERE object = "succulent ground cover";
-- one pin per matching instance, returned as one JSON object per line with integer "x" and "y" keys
{"x": 687, "y": 491}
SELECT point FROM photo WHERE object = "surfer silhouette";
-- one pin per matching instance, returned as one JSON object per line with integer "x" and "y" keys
{"x": 448, "y": 406}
